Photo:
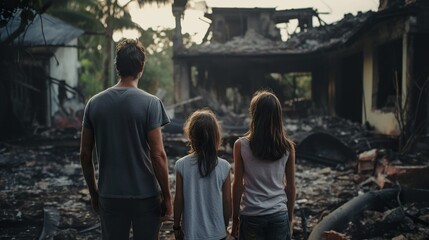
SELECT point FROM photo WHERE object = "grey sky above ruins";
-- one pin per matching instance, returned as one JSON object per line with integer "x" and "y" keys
{"x": 194, "y": 23}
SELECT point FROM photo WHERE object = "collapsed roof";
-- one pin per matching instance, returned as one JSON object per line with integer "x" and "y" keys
{"x": 316, "y": 39}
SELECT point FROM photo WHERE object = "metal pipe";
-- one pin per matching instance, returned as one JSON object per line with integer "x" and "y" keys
{"x": 339, "y": 218}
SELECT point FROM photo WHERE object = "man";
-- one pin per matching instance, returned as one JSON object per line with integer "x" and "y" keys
{"x": 124, "y": 124}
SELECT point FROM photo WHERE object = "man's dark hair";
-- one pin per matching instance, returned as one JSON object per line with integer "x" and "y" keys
{"x": 130, "y": 57}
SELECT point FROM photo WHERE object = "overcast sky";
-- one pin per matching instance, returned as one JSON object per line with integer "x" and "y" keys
{"x": 193, "y": 22}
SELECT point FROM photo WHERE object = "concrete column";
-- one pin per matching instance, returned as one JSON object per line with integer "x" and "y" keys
{"x": 177, "y": 38}
{"x": 180, "y": 71}
{"x": 181, "y": 80}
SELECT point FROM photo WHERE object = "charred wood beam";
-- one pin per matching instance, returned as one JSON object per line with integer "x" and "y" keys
{"x": 319, "y": 159}
{"x": 368, "y": 143}
{"x": 185, "y": 102}
{"x": 28, "y": 86}
{"x": 91, "y": 228}
{"x": 51, "y": 221}
{"x": 304, "y": 223}
{"x": 289, "y": 14}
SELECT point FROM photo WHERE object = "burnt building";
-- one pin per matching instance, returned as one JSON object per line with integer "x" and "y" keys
{"x": 245, "y": 49}
{"x": 368, "y": 67}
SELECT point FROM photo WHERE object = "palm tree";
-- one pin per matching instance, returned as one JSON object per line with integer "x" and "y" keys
{"x": 100, "y": 18}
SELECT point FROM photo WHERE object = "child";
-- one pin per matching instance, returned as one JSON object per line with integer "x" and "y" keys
{"x": 263, "y": 190}
{"x": 203, "y": 185}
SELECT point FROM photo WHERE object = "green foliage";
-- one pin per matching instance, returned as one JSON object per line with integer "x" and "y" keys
{"x": 84, "y": 14}
{"x": 91, "y": 72}
{"x": 96, "y": 17}
{"x": 302, "y": 84}
{"x": 158, "y": 40}
{"x": 89, "y": 81}
{"x": 158, "y": 72}
{"x": 290, "y": 86}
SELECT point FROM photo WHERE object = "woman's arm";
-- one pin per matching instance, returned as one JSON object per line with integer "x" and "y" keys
{"x": 237, "y": 187}
{"x": 178, "y": 207}
{"x": 290, "y": 186}
{"x": 226, "y": 195}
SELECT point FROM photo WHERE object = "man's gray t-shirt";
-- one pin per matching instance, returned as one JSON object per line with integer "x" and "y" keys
{"x": 121, "y": 119}
{"x": 202, "y": 199}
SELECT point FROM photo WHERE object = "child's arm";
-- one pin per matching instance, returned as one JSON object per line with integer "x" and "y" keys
{"x": 226, "y": 195}
{"x": 237, "y": 187}
{"x": 290, "y": 186}
{"x": 178, "y": 207}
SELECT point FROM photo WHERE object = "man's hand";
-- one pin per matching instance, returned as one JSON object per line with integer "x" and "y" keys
{"x": 234, "y": 231}
{"x": 94, "y": 202}
{"x": 160, "y": 168}
{"x": 178, "y": 234}
{"x": 167, "y": 206}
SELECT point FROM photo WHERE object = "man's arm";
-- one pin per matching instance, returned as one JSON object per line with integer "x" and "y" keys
{"x": 178, "y": 207}
{"x": 86, "y": 147}
{"x": 160, "y": 167}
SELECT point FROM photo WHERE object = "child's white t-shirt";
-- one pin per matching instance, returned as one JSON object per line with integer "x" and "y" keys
{"x": 202, "y": 199}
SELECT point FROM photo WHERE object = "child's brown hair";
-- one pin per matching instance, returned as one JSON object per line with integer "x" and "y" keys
{"x": 204, "y": 133}
{"x": 267, "y": 137}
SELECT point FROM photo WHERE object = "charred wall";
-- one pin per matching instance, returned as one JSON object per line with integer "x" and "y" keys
{"x": 320, "y": 87}
{"x": 420, "y": 90}
{"x": 349, "y": 98}
{"x": 9, "y": 124}
{"x": 23, "y": 92}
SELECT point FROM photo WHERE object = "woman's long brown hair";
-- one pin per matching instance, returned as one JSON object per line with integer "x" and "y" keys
{"x": 267, "y": 137}
{"x": 204, "y": 134}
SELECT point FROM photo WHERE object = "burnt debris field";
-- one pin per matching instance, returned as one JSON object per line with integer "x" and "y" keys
{"x": 352, "y": 184}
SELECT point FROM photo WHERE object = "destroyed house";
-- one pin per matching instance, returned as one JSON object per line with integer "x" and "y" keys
{"x": 228, "y": 23}
{"x": 244, "y": 48}
{"x": 39, "y": 75}
{"x": 366, "y": 67}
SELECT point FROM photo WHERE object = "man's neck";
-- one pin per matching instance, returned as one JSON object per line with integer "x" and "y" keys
{"x": 129, "y": 82}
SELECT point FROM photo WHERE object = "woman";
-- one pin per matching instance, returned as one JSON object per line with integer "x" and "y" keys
{"x": 263, "y": 190}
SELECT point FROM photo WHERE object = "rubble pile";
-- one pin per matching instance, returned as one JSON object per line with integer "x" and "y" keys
{"x": 42, "y": 190}
{"x": 327, "y": 35}
{"x": 376, "y": 165}
{"x": 43, "y": 193}
{"x": 410, "y": 221}
{"x": 40, "y": 181}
